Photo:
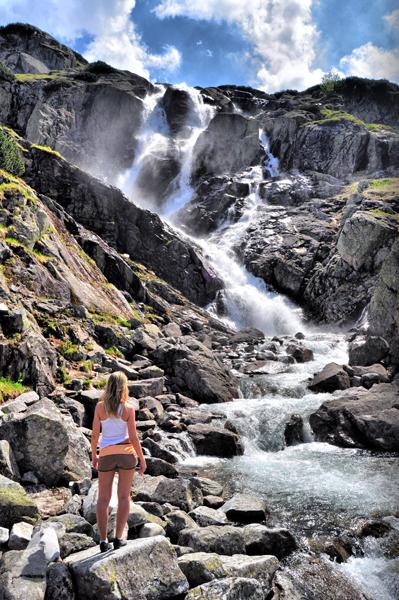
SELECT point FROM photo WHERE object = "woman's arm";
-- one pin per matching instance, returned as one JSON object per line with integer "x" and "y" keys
{"x": 94, "y": 437}
{"x": 133, "y": 437}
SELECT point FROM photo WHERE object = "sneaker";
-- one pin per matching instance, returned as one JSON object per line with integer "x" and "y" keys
{"x": 118, "y": 543}
{"x": 105, "y": 546}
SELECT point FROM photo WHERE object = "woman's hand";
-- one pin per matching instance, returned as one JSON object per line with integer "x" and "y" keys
{"x": 94, "y": 461}
{"x": 142, "y": 467}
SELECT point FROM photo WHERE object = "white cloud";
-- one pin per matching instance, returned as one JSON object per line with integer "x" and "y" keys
{"x": 393, "y": 19}
{"x": 115, "y": 39}
{"x": 282, "y": 32}
{"x": 372, "y": 62}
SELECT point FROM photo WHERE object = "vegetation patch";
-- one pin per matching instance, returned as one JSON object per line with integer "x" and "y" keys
{"x": 87, "y": 366}
{"x": 10, "y": 156}
{"x": 113, "y": 351}
{"x": 386, "y": 188}
{"x": 5, "y": 73}
{"x": 11, "y": 389}
{"x": 100, "y": 383}
{"x": 16, "y": 184}
{"x": 384, "y": 214}
{"x": 34, "y": 76}
{"x": 48, "y": 149}
{"x": 68, "y": 349}
{"x": 340, "y": 116}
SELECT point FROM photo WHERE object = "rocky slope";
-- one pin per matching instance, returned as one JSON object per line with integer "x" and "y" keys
{"x": 91, "y": 283}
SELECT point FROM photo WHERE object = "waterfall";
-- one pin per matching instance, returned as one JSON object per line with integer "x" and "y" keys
{"x": 247, "y": 300}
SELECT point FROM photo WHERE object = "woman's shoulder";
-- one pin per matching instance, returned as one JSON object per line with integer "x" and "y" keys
{"x": 100, "y": 410}
{"x": 128, "y": 411}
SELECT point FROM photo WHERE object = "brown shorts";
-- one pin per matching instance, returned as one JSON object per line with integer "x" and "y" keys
{"x": 113, "y": 462}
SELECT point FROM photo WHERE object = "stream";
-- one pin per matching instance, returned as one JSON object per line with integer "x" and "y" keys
{"x": 311, "y": 488}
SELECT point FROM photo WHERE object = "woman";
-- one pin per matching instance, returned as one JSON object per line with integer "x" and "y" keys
{"x": 119, "y": 449}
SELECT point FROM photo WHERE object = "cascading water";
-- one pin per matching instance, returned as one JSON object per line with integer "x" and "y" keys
{"x": 311, "y": 487}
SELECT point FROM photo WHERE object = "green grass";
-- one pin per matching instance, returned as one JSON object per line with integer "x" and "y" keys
{"x": 48, "y": 149}
{"x": 86, "y": 366}
{"x": 13, "y": 242}
{"x": 43, "y": 258}
{"x": 68, "y": 349}
{"x": 63, "y": 375}
{"x": 383, "y": 214}
{"x": 383, "y": 183}
{"x": 113, "y": 351}
{"x": 34, "y": 76}
{"x": 340, "y": 116}
{"x": 10, "y": 389}
{"x": 16, "y": 184}
{"x": 100, "y": 383}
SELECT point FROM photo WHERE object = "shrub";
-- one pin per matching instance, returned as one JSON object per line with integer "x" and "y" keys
{"x": 5, "y": 73}
{"x": 68, "y": 349}
{"x": 100, "y": 383}
{"x": 113, "y": 351}
{"x": 10, "y": 156}
{"x": 330, "y": 81}
{"x": 100, "y": 68}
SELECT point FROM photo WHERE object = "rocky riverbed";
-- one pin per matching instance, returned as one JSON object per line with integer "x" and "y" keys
{"x": 270, "y": 423}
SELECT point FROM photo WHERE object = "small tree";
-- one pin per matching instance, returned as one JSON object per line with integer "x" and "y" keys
{"x": 330, "y": 80}
{"x": 10, "y": 156}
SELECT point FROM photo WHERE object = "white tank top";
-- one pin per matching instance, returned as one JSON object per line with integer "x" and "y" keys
{"x": 114, "y": 430}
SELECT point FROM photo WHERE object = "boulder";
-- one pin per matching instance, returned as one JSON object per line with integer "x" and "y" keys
{"x": 361, "y": 418}
{"x": 230, "y": 588}
{"x": 37, "y": 432}
{"x": 299, "y": 352}
{"x": 224, "y": 539}
{"x": 73, "y": 524}
{"x": 361, "y": 237}
{"x": 293, "y": 431}
{"x": 176, "y": 521}
{"x": 201, "y": 567}
{"x": 332, "y": 377}
{"x": 244, "y": 508}
{"x": 155, "y": 575}
{"x": 4, "y": 535}
{"x": 367, "y": 351}
{"x": 70, "y": 543}
{"x": 20, "y": 536}
{"x": 179, "y": 492}
{"x": 15, "y": 504}
{"x": 59, "y": 582}
{"x": 263, "y": 540}
{"x": 209, "y": 486}
{"x": 215, "y": 441}
{"x": 204, "y": 516}
{"x": 151, "y": 530}
{"x": 194, "y": 370}
{"x": 307, "y": 577}
{"x": 8, "y": 464}
{"x": 157, "y": 466}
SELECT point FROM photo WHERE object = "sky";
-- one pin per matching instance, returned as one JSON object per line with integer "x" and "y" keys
{"x": 267, "y": 44}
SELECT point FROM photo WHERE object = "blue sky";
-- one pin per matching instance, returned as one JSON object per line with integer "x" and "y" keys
{"x": 270, "y": 44}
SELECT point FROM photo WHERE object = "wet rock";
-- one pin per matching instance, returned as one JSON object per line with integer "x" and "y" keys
{"x": 293, "y": 432}
{"x": 193, "y": 369}
{"x": 215, "y": 441}
{"x": 332, "y": 377}
{"x": 110, "y": 575}
{"x": 159, "y": 451}
{"x": 363, "y": 419}
{"x": 220, "y": 539}
{"x": 374, "y": 528}
{"x": 263, "y": 540}
{"x": 20, "y": 536}
{"x": 36, "y": 432}
{"x": 228, "y": 589}
{"x": 244, "y": 508}
{"x": 307, "y": 577}
{"x": 205, "y": 516}
{"x": 8, "y": 464}
{"x": 179, "y": 492}
{"x": 15, "y": 504}
{"x": 367, "y": 351}
{"x": 300, "y": 353}
{"x": 178, "y": 106}
{"x": 209, "y": 486}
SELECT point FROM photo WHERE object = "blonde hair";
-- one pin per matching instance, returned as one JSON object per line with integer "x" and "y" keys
{"x": 116, "y": 392}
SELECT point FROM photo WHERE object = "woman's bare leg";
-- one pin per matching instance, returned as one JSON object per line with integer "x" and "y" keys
{"x": 124, "y": 488}
{"x": 105, "y": 480}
